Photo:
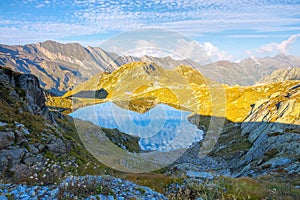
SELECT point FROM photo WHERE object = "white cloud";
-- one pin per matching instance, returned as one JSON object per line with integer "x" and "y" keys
{"x": 253, "y": 36}
{"x": 214, "y": 52}
{"x": 190, "y": 50}
{"x": 193, "y": 18}
{"x": 25, "y": 32}
{"x": 284, "y": 45}
{"x": 174, "y": 46}
{"x": 275, "y": 48}
{"x": 202, "y": 53}
{"x": 142, "y": 48}
{"x": 40, "y": 5}
{"x": 145, "y": 44}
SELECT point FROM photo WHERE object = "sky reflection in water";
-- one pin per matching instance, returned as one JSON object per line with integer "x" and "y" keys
{"x": 162, "y": 128}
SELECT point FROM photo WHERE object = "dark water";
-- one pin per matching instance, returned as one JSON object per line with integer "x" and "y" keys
{"x": 162, "y": 128}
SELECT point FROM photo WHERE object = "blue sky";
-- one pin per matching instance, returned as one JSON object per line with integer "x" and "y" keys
{"x": 226, "y": 29}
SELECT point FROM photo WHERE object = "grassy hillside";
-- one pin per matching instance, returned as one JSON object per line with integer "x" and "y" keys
{"x": 139, "y": 86}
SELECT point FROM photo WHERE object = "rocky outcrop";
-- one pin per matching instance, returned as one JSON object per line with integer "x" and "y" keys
{"x": 34, "y": 94}
{"x": 24, "y": 86}
{"x": 27, "y": 145}
{"x": 282, "y": 75}
{"x": 19, "y": 155}
{"x": 6, "y": 139}
{"x": 98, "y": 94}
{"x": 273, "y": 128}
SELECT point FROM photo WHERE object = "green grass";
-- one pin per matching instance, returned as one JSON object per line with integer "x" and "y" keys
{"x": 237, "y": 189}
{"x": 131, "y": 143}
{"x": 157, "y": 182}
{"x": 10, "y": 110}
{"x": 82, "y": 155}
{"x": 231, "y": 140}
{"x": 10, "y": 114}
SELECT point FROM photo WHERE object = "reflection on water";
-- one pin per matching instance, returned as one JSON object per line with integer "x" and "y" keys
{"x": 162, "y": 128}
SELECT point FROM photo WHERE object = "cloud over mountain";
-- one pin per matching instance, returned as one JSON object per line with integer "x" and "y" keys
{"x": 275, "y": 48}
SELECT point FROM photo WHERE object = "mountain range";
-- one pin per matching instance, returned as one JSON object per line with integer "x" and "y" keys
{"x": 59, "y": 67}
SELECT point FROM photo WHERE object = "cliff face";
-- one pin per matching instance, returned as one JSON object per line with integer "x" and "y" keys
{"x": 24, "y": 86}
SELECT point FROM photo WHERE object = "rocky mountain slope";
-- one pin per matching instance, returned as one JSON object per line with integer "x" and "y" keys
{"x": 33, "y": 140}
{"x": 61, "y": 66}
{"x": 273, "y": 128}
{"x": 265, "y": 143}
{"x": 281, "y": 75}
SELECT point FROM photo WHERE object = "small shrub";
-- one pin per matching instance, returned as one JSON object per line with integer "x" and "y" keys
{"x": 82, "y": 188}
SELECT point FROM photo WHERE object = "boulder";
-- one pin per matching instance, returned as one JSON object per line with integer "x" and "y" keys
{"x": 6, "y": 139}
{"x": 10, "y": 157}
{"x": 57, "y": 145}
{"x": 20, "y": 138}
{"x": 33, "y": 149}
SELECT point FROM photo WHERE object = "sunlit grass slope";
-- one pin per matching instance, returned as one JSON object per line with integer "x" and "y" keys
{"x": 139, "y": 86}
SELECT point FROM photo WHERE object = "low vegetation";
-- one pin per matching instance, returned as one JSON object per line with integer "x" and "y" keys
{"x": 239, "y": 188}
{"x": 155, "y": 181}
{"x": 81, "y": 189}
{"x": 122, "y": 140}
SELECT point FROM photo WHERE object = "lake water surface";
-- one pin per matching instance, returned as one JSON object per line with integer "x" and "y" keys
{"x": 162, "y": 128}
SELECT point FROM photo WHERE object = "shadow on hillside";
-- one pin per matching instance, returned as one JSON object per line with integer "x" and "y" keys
{"x": 246, "y": 149}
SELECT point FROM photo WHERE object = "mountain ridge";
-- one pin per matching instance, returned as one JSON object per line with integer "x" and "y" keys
{"x": 61, "y": 66}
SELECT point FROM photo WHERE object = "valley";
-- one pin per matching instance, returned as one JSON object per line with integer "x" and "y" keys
{"x": 247, "y": 142}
